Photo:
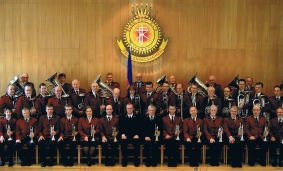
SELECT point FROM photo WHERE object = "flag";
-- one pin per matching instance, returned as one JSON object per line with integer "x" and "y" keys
{"x": 129, "y": 69}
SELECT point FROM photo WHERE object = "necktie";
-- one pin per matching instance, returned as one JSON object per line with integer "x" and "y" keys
{"x": 148, "y": 95}
{"x": 172, "y": 119}
{"x": 77, "y": 92}
{"x": 108, "y": 119}
{"x": 194, "y": 119}
{"x": 26, "y": 120}
{"x": 151, "y": 118}
{"x": 49, "y": 117}
{"x": 69, "y": 119}
{"x": 234, "y": 119}
{"x": 256, "y": 119}
{"x": 278, "y": 99}
{"x": 280, "y": 121}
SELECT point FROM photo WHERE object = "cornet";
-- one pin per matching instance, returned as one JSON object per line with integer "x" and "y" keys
{"x": 265, "y": 133}
{"x": 114, "y": 134}
{"x": 219, "y": 134}
{"x": 9, "y": 131}
{"x": 92, "y": 132}
{"x": 31, "y": 131}
{"x": 241, "y": 132}
{"x": 198, "y": 134}
{"x": 51, "y": 130}
{"x": 177, "y": 132}
{"x": 156, "y": 133}
{"x": 74, "y": 132}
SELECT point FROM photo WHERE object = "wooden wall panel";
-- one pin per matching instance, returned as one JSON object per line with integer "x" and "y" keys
{"x": 78, "y": 37}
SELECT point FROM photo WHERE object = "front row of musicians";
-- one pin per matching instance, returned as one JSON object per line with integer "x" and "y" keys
{"x": 51, "y": 131}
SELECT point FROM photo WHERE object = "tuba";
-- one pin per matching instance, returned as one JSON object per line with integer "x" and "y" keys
{"x": 104, "y": 88}
{"x": 234, "y": 84}
{"x": 54, "y": 82}
{"x": 15, "y": 81}
{"x": 159, "y": 82}
{"x": 202, "y": 87}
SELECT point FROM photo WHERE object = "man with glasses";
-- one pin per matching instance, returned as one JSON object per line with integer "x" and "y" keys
{"x": 110, "y": 82}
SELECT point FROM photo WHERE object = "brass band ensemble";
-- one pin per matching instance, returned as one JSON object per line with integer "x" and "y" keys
{"x": 198, "y": 116}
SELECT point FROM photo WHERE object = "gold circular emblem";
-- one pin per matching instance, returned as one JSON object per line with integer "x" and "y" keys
{"x": 143, "y": 35}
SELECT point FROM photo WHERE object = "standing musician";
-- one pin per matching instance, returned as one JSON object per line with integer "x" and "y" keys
{"x": 172, "y": 127}
{"x": 275, "y": 101}
{"x": 68, "y": 136}
{"x": 150, "y": 97}
{"x": 249, "y": 84}
{"x": 58, "y": 102}
{"x": 116, "y": 102}
{"x": 139, "y": 84}
{"x": 41, "y": 100}
{"x": 151, "y": 134}
{"x": 110, "y": 82}
{"x": 89, "y": 130}
{"x": 134, "y": 98}
{"x": 109, "y": 131}
{"x": 165, "y": 98}
{"x": 212, "y": 99}
{"x": 276, "y": 137}
{"x": 212, "y": 126}
{"x": 93, "y": 99}
{"x": 227, "y": 102}
{"x": 76, "y": 97}
{"x": 234, "y": 130}
{"x": 26, "y": 132}
{"x": 7, "y": 137}
{"x": 258, "y": 95}
{"x": 192, "y": 128}
{"x": 243, "y": 106}
{"x": 217, "y": 87}
{"x": 62, "y": 80}
{"x": 182, "y": 102}
{"x": 172, "y": 81}
{"x": 48, "y": 129}
{"x": 24, "y": 82}
{"x": 26, "y": 101}
{"x": 196, "y": 100}
{"x": 130, "y": 134}
{"x": 255, "y": 126}
{"x": 9, "y": 101}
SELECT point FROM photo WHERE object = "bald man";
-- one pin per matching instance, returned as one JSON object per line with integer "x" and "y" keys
{"x": 139, "y": 84}
{"x": 24, "y": 81}
{"x": 58, "y": 102}
{"x": 212, "y": 83}
{"x": 172, "y": 81}
{"x": 116, "y": 102}
{"x": 77, "y": 96}
{"x": 93, "y": 99}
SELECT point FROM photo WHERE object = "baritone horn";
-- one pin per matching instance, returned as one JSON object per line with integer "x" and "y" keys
{"x": 202, "y": 87}
{"x": 104, "y": 88}
{"x": 15, "y": 81}
{"x": 54, "y": 82}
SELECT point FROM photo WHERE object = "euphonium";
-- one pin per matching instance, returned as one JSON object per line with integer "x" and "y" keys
{"x": 202, "y": 87}
{"x": 156, "y": 133}
{"x": 105, "y": 89}
{"x": 9, "y": 131}
{"x": 74, "y": 132}
{"x": 31, "y": 131}
{"x": 92, "y": 132}
{"x": 207, "y": 109}
{"x": 219, "y": 134}
{"x": 241, "y": 132}
{"x": 114, "y": 134}
{"x": 265, "y": 133}
{"x": 177, "y": 132}
{"x": 241, "y": 101}
{"x": 51, "y": 130}
{"x": 54, "y": 82}
{"x": 198, "y": 134}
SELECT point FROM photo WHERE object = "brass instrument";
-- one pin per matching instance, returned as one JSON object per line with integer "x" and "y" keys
{"x": 156, "y": 132}
{"x": 92, "y": 132}
{"x": 177, "y": 132}
{"x": 137, "y": 104}
{"x": 31, "y": 131}
{"x": 181, "y": 106}
{"x": 241, "y": 101}
{"x": 234, "y": 84}
{"x": 104, "y": 88}
{"x": 18, "y": 86}
{"x": 265, "y": 133}
{"x": 202, "y": 87}
{"x": 51, "y": 130}
{"x": 159, "y": 82}
{"x": 207, "y": 109}
{"x": 165, "y": 100}
{"x": 226, "y": 110}
{"x": 9, "y": 131}
{"x": 194, "y": 100}
{"x": 32, "y": 100}
{"x": 74, "y": 132}
{"x": 81, "y": 105}
{"x": 54, "y": 82}
{"x": 114, "y": 134}
{"x": 241, "y": 132}
{"x": 198, "y": 134}
{"x": 220, "y": 133}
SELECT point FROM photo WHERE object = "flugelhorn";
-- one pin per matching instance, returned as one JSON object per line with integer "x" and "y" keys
{"x": 220, "y": 133}
{"x": 156, "y": 132}
{"x": 74, "y": 132}
{"x": 31, "y": 137}
{"x": 114, "y": 134}
{"x": 177, "y": 132}
{"x": 198, "y": 134}
{"x": 51, "y": 130}
{"x": 92, "y": 132}
{"x": 241, "y": 132}
{"x": 9, "y": 131}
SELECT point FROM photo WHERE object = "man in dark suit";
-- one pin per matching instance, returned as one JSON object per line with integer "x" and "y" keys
{"x": 150, "y": 97}
{"x": 261, "y": 98}
{"x": 58, "y": 102}
{"x": 196, "y": 100}
{"x": 151, "y": 134}
{"x": 192, "y": 128}
{"x": 110, "y": 82}
{"x": 130, "y": 134}
{"x": 9, "y": 101}
{"x": 276, "y": 137}
{"x": 227, "y": 102}
{"x": 62, "y": 80}
{"x": 172, "y": 128}
{"x": 275, "y": 101}
{"x": 93, "y": 99}
{"x": 165, "y": 98}
{"x": 182, "y": 102}
{"x": 109, "y": 134}
{"x": 68, "y": 127}
{"x": 41, "y": 100}
{"x": 26, "y": 132}
{"x": 213, "y": 130}
{"x": 249, "y": 84}
{"x": 116, "y": 102}
{"x": 76, "y": 97}
{"x": 139, "y": 84}
{"x": 217, "y": 87}
{"x": 48, "y": 129}
{"x": 24, "y": 81}
{"x": 233, "y": 126}
{"x": 255, "y": 126}
{"x": 211, "y": 99}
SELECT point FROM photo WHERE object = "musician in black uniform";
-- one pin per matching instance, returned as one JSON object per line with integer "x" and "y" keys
{"x": 196, "y": 100}
{"x": 275, "y": 101}
{"x": 150, "y": 97}
{"x": 182, "y": 102}
{"x": 227, "y": 102}
{"x": 165, "y": 98}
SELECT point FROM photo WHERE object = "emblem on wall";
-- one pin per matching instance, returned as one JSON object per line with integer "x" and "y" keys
{"x": 144, "y": 36}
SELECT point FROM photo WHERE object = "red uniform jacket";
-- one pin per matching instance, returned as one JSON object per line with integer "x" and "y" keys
{"x": 23, "y": 128}
{"x": 254, "y": 128}
{"x": 84, "y": 127}
{"x": 75, "y": 100}
{"x": 231, "y": 127}
{"x": 58, "y": 105}
{"x": 66, "y": 129}
{"x": 190, "y": 127}
{"x": 169, "y": 127}
{"x": 22, "y": 102}
{"x": 210, "y": 127}
{"x": 3, "y": 127}
{"x": 106, "y": 127}
{"x": 94, "y": 102}
{"x": 44, "y": 126}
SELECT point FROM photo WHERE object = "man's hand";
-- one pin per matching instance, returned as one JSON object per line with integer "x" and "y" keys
{"x": 41, "y": 138}
{"x": 60, "y": 139}
{"x": 212, "y": 140}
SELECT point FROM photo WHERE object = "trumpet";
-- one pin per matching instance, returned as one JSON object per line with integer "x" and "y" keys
{"x": 241, "y": 132}
{"x": 74, "y": 132}
{"x": 114, "y": 134}
{"x": 198, "y": 134}
{"x": 51, "y": 130}
{"x": 9, "y": 131}
{"x": 92, "y": 132}
{"x": 265, "y": 133}
{"x": 31, "y": 137}
{"x": 219, "y": 134}
{"x": 156, "y": 133}
{"x": 177, "y": 132}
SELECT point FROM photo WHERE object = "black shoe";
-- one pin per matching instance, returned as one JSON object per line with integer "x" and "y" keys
{"x": 71, "y": 163}
{"x": 136, "y": 164}
{"x": 2, "y": 163}
{"x": 274, "y": 164}
{"x": 113, "y": 162}
{"x": 251, "y": 164}
{"x": 11, "y": 163}
{"x": 28, "y": 163}
{"x": 23, "y": 164}
{"x": 263, "y": 164}
{"x": 43, "y": 165}
{"x": 147, "y": 164}
{"x": 153, "y": 164}
{"x": 124, "y": 163}
{"x": 51, "y": 163}
{"x": 65, "y": 164}
{"x": 280, "y": 165}
{"x": 174, "y": 164}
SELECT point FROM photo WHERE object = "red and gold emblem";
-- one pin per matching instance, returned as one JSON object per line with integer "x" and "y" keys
{"x": 143, "y": 34}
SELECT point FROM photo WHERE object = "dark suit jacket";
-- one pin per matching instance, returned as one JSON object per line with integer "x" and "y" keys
{"x": 199, "y": 105}
{"x": 23, "y": 128}
{"x": 169, "y": 127}
{"x": 94, "y": 102}
{"x": 148, "y": 126}
{"x": 253, "y": 128}
{"x": 75, "y": 100}
{"x": 3, "y": 127}
{"x": 66, "y": 128}
{"x": 106, "y": 127}
{"x": 231, "y": 127}
{"x": 153, "y": 99}
{"x": 130, "y": 127}
{"x": 59, "y": 106}
{"x": 217, "y": 102}
{"x": 40, "y": 104}
{"x": 186, "y": 104}
{"x": 84, "y": 127}
{"x": 44, "y": 126}
{"x": 118, "y": 108}
{"x": 274, "y": 104}
{"x": 171, "y": 99}
{"x": 190, "y": 127}
{"x": 276, "y": 130}
{"x": 140, "y": 90}
{"x": 210, "y": 127}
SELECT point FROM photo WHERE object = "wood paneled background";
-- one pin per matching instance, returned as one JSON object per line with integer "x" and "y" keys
{"x": 78, "y": 37}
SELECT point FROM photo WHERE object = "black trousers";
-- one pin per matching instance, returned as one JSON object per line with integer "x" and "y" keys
{"x": 193, "y": 150}
{"x": 43, "y": 151}
{"x": 215, "y": 150}
{"x": 236, "y": 151}
{"x": 67, "y": 152}
{"x": 252, "y": 149}
{"x": 151, "y": 151}
{"x": 9, "y": 150}
{"x": 172, "y": 149}
{"x": 26, "y": 157}
{"x": 109, "y": 152}
{"x": 273, "y": 145}
{"x": 125, "y": 153}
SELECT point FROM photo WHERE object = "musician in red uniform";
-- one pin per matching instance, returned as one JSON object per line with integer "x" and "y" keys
{"x": 139, "y": 84}
{"x": 134, "y": 98}
{"x": 234, "y": 131}
{"x": 213, "y": 130}
{"x": 7, "y": 137}
{"x": 217, "y": 87}
{"x": 276, "y": 101}
{"x": 93, "y": 99}
{"x": 182, "y": 102}
{"x": 26, "y": 132}
{"x": 110, "y": 82}
{"x": 41, "y": 100}
{"x": 196, "y": 100}
{"x": 24, "y": 81}
{"x": 58, "y": 102}
{"x": 68, "y": 136}
{"x": 165, "y": 98}
{"x": 48, "y": 129}
{"x": 116, "y": 102}
{"x": 255, "y": 126}
{"x": 62, "y": 80}
{"x": 276, "y": 137}
{"x": 192, "y": 128}
{"x": 89, "y": 130}
{"x": 109, "y": 131}
{"x": 172, "y": 127}
{"x": 212, "y": 99}
{"x": 9, "y": 101}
